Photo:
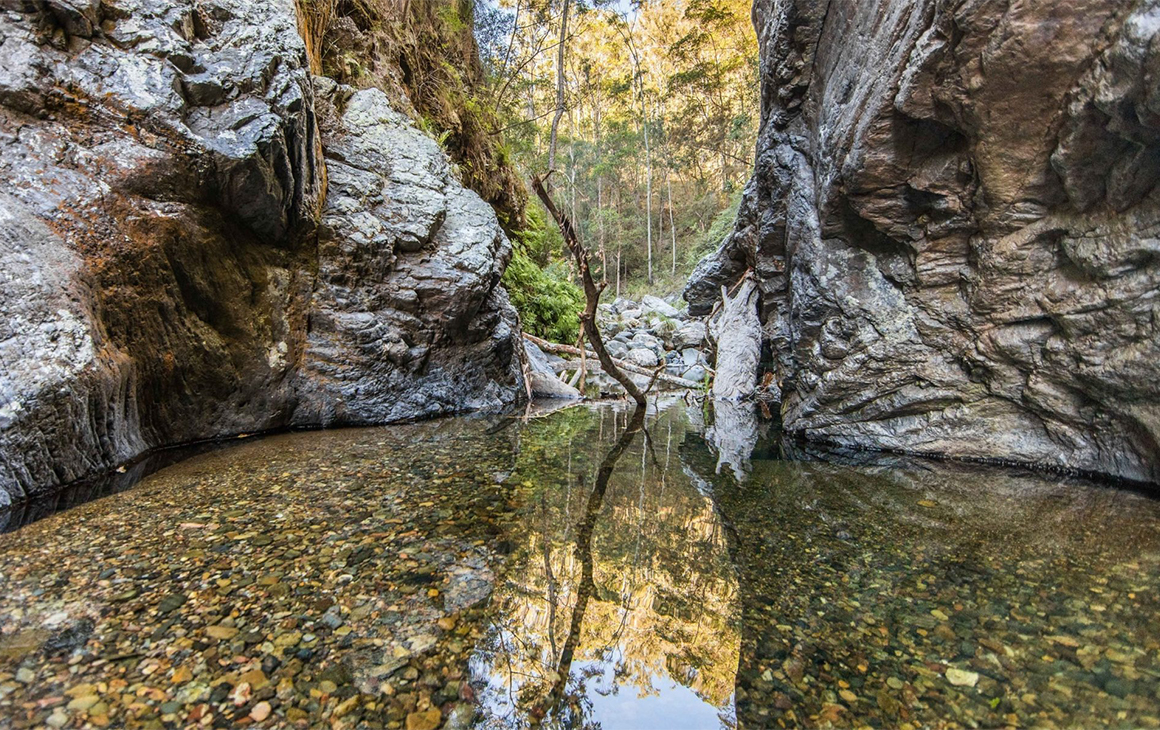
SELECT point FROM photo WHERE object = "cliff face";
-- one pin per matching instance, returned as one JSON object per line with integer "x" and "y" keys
{"x": 199, "y": 238}
{"x": 955, "y": 229}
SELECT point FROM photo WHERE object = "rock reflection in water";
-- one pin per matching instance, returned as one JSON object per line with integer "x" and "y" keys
{"x": 618, "y": 606}
{"x": 733, "y": 435}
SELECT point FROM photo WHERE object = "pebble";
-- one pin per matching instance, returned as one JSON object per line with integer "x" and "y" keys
{"x": 415, "y": 547}
{"x": 260, "y": 711}
{"x": 207, "y": 614}
{"x": 221, "y": 632}
{"x": 961, "y": 677}
{"x": 82, "y": 704}
{"x": 425, "y": 720}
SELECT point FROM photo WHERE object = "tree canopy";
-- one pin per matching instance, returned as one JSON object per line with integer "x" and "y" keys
{"x": 655, "y": 107}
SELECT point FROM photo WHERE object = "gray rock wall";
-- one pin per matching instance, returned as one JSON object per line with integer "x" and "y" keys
{"x": 954, "y": 222}
{"x": 198, "y": 239}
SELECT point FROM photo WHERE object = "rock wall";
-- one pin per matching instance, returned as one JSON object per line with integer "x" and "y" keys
{"x": 199, "y": 239}
{"x": 954, "y": 222}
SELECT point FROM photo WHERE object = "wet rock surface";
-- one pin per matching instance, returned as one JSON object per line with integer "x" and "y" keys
{"x": 175, "y": 266}
{"x": 431, "y": 576}
{"x": 953, "y": 222}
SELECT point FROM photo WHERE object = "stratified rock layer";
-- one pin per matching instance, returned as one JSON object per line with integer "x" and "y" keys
{"x": 955, "y": 225}
{"x": 174, "y": 265}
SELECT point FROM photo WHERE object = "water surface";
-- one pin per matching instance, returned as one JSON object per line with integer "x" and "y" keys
{"x": 582, "y": 569}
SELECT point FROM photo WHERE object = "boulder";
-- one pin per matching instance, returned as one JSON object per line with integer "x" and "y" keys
{"x": 172, "y": 270}
{"x": 409, "y": 267}
{"x": 953, "y": 226}
{"x": 642, "y": 356}
{"x": 617, "y": 349}
{"x": 647, "y": 341}
{"x": 689, "y": 334}
{"x": 542, "y": 375}
{"x": 649, "y": 303}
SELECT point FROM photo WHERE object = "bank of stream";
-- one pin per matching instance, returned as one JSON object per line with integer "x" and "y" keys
{"x": 585, "y": 568}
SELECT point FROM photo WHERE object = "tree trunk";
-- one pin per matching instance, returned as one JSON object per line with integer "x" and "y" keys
{"x": 591, "y": 293}
{"x": 559, "y": 87}
{"x": 647, "y": 185}
{"x": 672, "y": 226}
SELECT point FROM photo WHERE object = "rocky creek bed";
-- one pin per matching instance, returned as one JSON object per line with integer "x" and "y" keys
{"x": 643, "y": 337}
{"x": 503, "y": 572}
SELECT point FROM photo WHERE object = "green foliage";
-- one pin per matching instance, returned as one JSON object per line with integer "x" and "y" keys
{"x": 548, "y": 302}
{"x": 721, "y": 226}
{"x": 658, "y": 102}
{"x": 539, "y": 240}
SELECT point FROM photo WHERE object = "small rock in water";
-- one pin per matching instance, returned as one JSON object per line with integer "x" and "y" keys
{"x": 172, "y": 602}
{"x": 82, "y": 704}
{"x": 426, "y": 720}
{"x": 221, "y": 632}
{"x": 260, "y": 711}
{"x": 961, "y": 677}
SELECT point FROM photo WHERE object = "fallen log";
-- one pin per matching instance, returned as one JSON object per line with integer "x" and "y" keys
{"x": 662, "y": 377}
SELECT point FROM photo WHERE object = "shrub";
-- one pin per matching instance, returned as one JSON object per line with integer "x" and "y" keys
{"x": 548, "y": 302}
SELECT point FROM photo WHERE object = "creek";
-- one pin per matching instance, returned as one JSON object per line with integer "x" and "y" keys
{"x": 590, "y": 567}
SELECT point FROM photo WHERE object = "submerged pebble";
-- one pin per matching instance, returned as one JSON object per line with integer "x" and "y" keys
{"x": 468, "y": 573}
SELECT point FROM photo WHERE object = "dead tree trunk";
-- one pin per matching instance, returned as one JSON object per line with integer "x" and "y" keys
{"x": 592, "y": 292}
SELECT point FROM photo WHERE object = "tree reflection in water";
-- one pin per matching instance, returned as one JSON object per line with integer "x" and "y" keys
{"x": 618, "y": 611}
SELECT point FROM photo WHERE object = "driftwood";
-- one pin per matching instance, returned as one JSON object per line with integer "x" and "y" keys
{"x": 592, "y": 292}
{"x": 659, "y": 375}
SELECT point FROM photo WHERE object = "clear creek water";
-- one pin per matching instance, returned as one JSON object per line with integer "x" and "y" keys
{"x": 583, "y": 569}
